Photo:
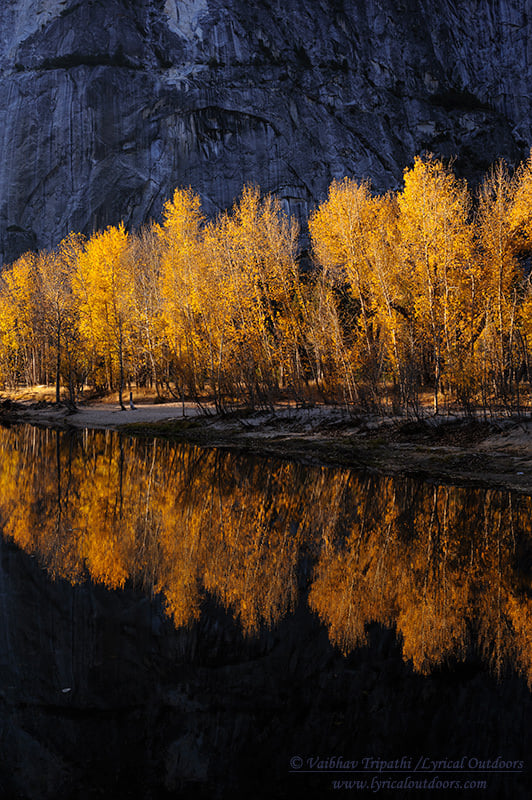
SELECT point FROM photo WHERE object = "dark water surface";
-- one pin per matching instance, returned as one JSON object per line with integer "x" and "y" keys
{"x": 179, "y": 622}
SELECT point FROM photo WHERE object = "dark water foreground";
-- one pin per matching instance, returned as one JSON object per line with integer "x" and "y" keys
{"x": 185, "y": 623}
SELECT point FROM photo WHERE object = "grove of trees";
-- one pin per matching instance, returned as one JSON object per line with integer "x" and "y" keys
{"x": 414, "y": 297}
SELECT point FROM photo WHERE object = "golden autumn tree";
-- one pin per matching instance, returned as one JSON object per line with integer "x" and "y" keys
{"x": 437, "y": 251}
{"x": 388, "y": 288}
{"x": 149, "y": 351}
{"x": 501, "y": 276}
{"x": 103, "y": 288}
{"x": 339, "y": 229}
{"x": 253, "y": 254}
{"x": 355, "y": 241}
{"x": 521, "y": 225}
{"x": 20, "y": 323}
{"x": 55, "y": 271}
{"x": 181, "y": 280}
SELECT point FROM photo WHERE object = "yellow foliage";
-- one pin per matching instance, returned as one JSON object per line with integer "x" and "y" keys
{"x": 409, "y": 291}
{"x": 103, "y": 288}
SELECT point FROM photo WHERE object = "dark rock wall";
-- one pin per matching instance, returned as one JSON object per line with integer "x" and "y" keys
{"x": 108, "y": 105}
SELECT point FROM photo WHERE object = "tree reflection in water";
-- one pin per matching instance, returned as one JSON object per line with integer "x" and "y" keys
{"x": 445, "y": 566}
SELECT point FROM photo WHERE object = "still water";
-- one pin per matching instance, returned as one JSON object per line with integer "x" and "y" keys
{"x": 181, "y": 622}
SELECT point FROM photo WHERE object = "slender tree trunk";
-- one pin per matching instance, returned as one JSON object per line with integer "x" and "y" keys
{"x": 121, "y": 366}
{"x": 437, "y": 374}
{"x": 58, "y": 367}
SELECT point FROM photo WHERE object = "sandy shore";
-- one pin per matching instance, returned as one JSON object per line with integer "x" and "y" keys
{"x": 104, "y": 415}
{"x": 494, "y": 452}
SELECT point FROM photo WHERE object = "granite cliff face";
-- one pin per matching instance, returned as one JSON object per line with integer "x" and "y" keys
{"x": 107, "y": 105}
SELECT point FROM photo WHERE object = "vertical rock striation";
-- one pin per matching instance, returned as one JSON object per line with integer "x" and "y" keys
{"x": 107, "y": 105}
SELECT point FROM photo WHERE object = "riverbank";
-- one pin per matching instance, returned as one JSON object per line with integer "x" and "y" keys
{"x": 462, "y": 450}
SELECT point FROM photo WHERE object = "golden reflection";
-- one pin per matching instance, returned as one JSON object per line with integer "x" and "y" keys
{"x": 441, "y": 565}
